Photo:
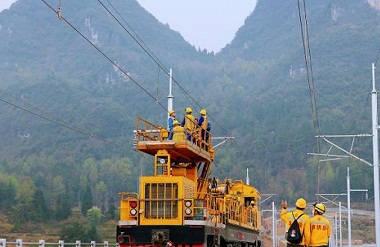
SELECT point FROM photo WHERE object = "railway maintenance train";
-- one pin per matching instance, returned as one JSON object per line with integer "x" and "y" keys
{"x": 180, "y": 204}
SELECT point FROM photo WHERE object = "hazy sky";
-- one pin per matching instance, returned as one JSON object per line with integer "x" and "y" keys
{"x": 206, "y": 24}
{"x": 209, "y": 24}
{"x": 4, "y": 4}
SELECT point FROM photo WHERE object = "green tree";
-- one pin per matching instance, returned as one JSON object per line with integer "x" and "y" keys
{"x": 7, "y": 195}
{"x": 26, "y": 190}
{"x": 57, "y": 187}
{"x": 63, "y": 208}
{"x": 25, "y": 194}
{"x": 94, "y": 215}
{"x": 90, "y": 170}
{"x": 111, "y": 209}
{"x": 39, "y": 210}
{"x": 101, "y": 190}
{"x": 86, "y": 201}
{"x": 92, "y": 234}
{"x": 78, "y": 231}
{"x": 71, "y": 233}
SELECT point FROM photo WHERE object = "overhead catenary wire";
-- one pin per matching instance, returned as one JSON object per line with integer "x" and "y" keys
{"x": 51, "y": 118}
{"x": 309, "y": 67}
{"x": 150, "y": 53}
{"x": 158, "y": 80}
{"x": 135, "y": 36}
{"x": 63, "y": 123}
{"x": 126, "y": 74}
{"x": 107, "y": 57}
{"x": 60, "y": 122}
{"x": 147, "y": 50}
{"x": 309, "y": 73}
{"x": 141, "y": 43}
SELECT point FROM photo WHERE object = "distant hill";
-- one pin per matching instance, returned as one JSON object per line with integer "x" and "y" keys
{"x": 48, "y": 64}
{"x": 255, "y": 90}
{"x": 274, "y": 93}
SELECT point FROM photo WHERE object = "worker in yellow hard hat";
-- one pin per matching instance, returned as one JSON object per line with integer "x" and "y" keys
{"x": 320, "y": 227}
{"x": 178, "y": 132}
{"x": 203, "y": 124}
{"x": 170, "y": 123}
{"x": 188, "y": 122}
{"x": 302, "y": 218}
{"x": 252, "y": 212}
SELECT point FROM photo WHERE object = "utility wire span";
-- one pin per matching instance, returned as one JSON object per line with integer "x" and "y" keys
{"x": 150, "y": 53}
{"x": 135, "y": 36}
{"x": 153, "y": 57}
{"x": 117, "y": 66}
{"x": 61, "y": 122}
{"x": 51, "y": 118}
{"x": 309, "y": 67}
{"x": 107, "y": 57}
{"x": 310, "y": 78}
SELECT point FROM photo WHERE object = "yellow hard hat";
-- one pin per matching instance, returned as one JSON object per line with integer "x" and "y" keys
{"x": 175, "y": 122}
{"x": 171, "y": 112}
{"x": 320, "y": 207}
{"x": 301, "y": 203}
{"x": 203, "y": 112}
{"x": 188, "y": 110}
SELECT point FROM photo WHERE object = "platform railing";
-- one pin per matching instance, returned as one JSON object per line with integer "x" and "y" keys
{"x": 147, "y": 131}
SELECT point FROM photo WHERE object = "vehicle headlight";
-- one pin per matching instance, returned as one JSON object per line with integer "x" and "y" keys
{"x": 188, "y": 211}
{"x": 133, "y": 211}
{"x": 188, "y": 204}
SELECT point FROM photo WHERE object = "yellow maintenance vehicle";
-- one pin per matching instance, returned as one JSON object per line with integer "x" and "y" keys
{"x": 180, "y": 204}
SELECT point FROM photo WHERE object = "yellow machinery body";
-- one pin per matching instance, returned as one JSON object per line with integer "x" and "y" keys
{"x": 180, "y": 204}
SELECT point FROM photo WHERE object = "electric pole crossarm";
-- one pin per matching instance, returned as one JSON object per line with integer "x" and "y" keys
{"x": 331, "y": 200}
{"x": 339, "y": 136}
{"x": 349, "y": 153}
{"x": 325, "y": 160}
{"x": 338, "y": 156}
{"x": 224, "y": 139}
{"x": 269, "y": 196}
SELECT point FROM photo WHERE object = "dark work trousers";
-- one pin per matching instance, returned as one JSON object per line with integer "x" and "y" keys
{"x": 294, "y": 245}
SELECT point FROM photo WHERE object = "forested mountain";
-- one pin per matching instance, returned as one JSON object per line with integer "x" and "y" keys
{"x": 67, "y": 112}
{"x": 270, "y": 78}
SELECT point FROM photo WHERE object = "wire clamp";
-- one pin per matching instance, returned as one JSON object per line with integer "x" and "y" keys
{"x": 59, "y": 15}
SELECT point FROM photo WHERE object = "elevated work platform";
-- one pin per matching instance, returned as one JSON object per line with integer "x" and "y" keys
{"x": 150, "y": 138}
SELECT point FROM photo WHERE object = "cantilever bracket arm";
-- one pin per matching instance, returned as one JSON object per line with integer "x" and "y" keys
{"x": 324, "y": 196}
{"x": 269, "y": 196}
{"x": 224, "y": 139}
{"x": 349, "y": 153}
